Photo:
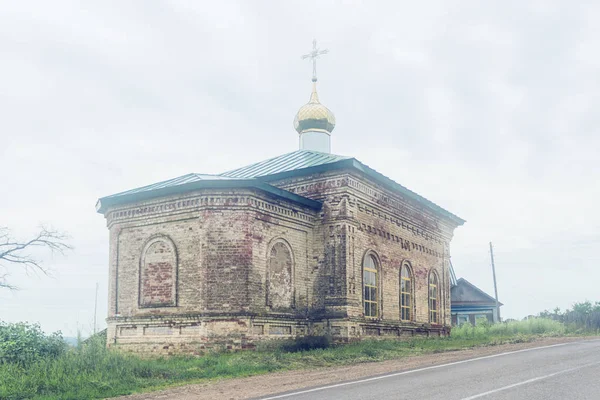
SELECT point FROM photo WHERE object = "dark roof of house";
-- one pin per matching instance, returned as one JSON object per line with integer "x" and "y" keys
{"x": 464, "y": 292}
{"x": 191, "y": 182}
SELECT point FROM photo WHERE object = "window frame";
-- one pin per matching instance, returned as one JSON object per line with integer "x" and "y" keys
{"x": 406, "y": 266}
{"x": 434, "y": 316}
{"x": 373, "y": 303}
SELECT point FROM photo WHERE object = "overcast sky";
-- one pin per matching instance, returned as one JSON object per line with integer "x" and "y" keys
{"x": 489, "y": 109}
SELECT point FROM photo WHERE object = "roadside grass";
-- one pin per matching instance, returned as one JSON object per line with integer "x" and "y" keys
{"x": 90, "y": 371}
{"x": 533, "y": 326}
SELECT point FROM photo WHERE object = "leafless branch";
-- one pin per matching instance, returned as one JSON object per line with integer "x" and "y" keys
{"x": 17, "y": 253}
{"x": 4, "y": 284}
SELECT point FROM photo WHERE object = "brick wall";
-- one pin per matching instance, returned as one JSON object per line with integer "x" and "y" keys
{"x": 193, "y": 270}
{"x": 358, "y": 217}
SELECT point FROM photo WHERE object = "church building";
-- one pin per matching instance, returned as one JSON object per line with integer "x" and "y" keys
{"x": 305, "y": 243}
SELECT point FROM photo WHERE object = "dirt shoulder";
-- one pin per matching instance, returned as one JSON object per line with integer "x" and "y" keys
{"x": 278, "y": 382}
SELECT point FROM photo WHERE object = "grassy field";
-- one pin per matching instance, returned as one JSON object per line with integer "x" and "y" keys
{"x": 89, "y": 371}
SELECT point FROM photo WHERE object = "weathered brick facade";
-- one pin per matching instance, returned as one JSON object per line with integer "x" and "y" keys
{"x": 229, "y": 267}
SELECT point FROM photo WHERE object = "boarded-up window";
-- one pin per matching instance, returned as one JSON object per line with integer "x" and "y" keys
{"x": 158, "y": 275}
{"x": 280, "y": 293}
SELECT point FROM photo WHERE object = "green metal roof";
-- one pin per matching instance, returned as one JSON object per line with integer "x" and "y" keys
{"x": 305, "y": 162}
{"x": 180, "y": 180}
{"x": 297, "y": 163}
{"x": 190, "y": 182}
{"x": 296, "y": 160}
{"x": 395, "y": 186}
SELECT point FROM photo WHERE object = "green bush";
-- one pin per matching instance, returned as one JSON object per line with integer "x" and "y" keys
{"x": 23, "y": 343}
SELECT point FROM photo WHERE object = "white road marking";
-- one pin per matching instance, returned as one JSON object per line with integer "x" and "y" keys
{"x": 539, "y": 378}
{"x": 281, "y": 396}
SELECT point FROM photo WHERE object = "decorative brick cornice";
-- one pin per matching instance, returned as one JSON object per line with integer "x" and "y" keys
{"x": 388, "y": 207}
{"x": 209, "y": 201}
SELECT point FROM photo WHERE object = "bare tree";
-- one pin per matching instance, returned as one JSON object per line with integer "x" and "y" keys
{"x": 15, "y": 253}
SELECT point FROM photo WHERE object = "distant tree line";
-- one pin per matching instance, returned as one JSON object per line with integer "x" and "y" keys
{"x": 584, "y": 315}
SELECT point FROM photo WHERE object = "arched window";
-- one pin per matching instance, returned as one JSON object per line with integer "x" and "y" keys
{"x": 406, "y": 293}
{"x": 433, "y": 297}
{"x": 158, "y": 274}
{"x": 370, "y": 292}
{"x": 280, "y": 293}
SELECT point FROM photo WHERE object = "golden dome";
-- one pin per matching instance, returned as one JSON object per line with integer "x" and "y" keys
{"x": 314, "y": 115}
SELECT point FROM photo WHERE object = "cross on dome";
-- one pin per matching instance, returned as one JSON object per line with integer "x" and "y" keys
{"x": 314, "y": 122}
{"x": 313, "y": 55}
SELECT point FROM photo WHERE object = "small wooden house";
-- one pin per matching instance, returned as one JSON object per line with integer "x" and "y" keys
{"x": 470, "y": 304}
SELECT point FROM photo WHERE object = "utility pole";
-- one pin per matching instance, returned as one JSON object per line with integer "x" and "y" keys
{"x": 96, "y": 307}
{"x": 495, "y": 286}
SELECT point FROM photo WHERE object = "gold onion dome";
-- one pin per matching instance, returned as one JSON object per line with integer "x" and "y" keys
{"x": 314, "y": 115}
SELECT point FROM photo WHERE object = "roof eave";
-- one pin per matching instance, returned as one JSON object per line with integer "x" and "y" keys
{"x": 476, "y": 303}
{"x": 353, "y": 163}
{"x": 405, "y": 191}
{"x": 104, "y": 203}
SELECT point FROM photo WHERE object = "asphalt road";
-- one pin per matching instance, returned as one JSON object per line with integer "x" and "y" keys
{"x": 565, "y": 371}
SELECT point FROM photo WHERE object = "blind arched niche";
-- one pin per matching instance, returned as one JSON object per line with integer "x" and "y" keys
{"x": 280, "y": 276}
{"x": 158, "y": 273}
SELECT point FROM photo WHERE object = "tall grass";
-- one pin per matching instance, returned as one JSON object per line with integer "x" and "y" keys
{"x": 90, "y": 371}
{"x": 533, "y": 326}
